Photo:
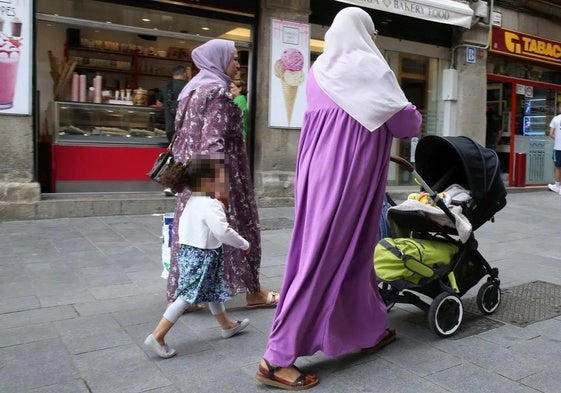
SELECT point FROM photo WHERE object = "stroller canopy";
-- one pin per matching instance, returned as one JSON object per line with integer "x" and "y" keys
{"x": 443, "y": 161}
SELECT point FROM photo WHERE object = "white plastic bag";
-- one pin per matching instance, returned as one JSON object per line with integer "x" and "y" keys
{"x": 167, "y": 224}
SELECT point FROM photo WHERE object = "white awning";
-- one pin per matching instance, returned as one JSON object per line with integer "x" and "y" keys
{"x": 442, "y": 11}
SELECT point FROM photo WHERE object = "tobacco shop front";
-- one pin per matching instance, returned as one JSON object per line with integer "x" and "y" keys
{"x": 523, "y": 92}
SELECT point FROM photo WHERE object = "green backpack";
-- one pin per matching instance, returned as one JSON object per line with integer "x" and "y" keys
{"x": 413, "y": 260}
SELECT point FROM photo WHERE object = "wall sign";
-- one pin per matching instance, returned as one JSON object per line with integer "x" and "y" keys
{"x": 290, "y": 62}
{"x": 441, "y": 11}
{"x": 15, "y": 56}
{"x": 471, "y": 52}
{"x": 497, "y": 19}
{"x": 517, "y": 44}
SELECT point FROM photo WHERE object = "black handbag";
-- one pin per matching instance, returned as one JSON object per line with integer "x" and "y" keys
{"x": 165, "y": 159}
{"x": 162, "y": 162}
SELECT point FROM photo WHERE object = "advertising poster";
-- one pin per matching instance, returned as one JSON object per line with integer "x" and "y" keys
{"x": 290, "y": 61}
{"x": 15, "y": 56}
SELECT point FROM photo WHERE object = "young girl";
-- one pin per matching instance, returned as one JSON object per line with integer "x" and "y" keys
{"x": 202, "y": 230}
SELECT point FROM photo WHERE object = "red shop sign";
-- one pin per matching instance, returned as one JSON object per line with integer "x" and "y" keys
{"x": 530, "y": 47}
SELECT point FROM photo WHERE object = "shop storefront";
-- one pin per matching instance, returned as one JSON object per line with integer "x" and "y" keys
{"x": 523, "y": 89}
{"x": 99, "y": 68}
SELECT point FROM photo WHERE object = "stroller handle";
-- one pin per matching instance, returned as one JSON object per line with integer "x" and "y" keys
{"x": 402, "y": 162}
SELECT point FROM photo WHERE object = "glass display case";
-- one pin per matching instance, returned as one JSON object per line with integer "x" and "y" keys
{"x": 107, "y": 124}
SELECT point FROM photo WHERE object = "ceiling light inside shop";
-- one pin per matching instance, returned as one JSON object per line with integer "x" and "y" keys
{"x": 205, "y": 28}
{"x": 239, "y": 34}
{"x": 316, "y": 45}
{"x": 146, "y": 19}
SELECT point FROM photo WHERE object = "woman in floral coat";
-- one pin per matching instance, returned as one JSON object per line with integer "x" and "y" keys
{"x": 208, "y": 121}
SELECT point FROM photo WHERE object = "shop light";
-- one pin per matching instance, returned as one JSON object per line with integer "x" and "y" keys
{"x": 237, "y": 34}
{"x": 146, "y": 19}
{"x": 205, "y": 28}
{"x": 316, "y": 45}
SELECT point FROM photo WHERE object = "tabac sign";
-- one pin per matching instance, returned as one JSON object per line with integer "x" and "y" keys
{"x": 514, "y": 43}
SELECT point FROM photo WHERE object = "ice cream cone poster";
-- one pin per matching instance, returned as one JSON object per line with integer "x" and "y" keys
{"x": 15, "y": 56}
{"x": 290, "y": 61}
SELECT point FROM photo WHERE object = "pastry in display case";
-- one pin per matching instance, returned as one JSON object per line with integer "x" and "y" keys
{"x": 108, "y": 124}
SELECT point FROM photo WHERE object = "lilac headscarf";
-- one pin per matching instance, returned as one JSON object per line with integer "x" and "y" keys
{"x": 212, "y": 59}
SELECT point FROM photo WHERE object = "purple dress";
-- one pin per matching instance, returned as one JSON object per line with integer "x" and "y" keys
{"x": 212, "y": 122}
{"x": 329, "y": 298}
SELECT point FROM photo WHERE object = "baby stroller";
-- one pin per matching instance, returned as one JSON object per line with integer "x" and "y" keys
{"x": 432, "y": 250}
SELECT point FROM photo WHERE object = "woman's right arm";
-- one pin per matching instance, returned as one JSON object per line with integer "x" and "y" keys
{"x": 220, "y": 228}
{"x": 406, "y": 123}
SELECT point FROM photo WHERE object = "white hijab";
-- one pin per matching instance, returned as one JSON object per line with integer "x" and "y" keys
{"x": 353, "y": 72}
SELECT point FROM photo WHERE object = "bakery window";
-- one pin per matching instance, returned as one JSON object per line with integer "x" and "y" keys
{"x": 108, "y": 124}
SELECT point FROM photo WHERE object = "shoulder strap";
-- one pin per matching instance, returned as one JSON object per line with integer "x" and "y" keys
{"x": 391, "y": 248}
{"x": 170, "y": 146}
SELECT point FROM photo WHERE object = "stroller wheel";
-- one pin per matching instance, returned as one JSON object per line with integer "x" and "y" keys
{"x": 488, "y": 297}
{"x": 445, "y": 314}
{"x": 386, "y": 292}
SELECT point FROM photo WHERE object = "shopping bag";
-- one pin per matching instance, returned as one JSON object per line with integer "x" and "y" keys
{"x": 167, "y": 225}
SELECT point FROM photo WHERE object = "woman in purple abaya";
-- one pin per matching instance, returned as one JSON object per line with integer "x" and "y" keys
{"x": 329, "y": 300}
{"x": 208, "y": 121}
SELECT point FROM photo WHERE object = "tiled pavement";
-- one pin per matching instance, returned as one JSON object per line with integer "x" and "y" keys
{"x": 78, "y": 296}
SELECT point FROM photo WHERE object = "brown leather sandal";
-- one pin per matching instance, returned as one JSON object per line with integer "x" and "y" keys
{"x": 388, "y": 339}
{"x": 267, "y": 377}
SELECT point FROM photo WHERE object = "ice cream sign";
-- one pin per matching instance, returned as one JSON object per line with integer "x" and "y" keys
{"x": 290, "y": 61}
{"x": 15, "y": 50}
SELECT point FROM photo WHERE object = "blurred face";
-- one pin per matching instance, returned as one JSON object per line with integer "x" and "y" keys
{"x": 218, "y": 187}
{"x": 234, "y": 66}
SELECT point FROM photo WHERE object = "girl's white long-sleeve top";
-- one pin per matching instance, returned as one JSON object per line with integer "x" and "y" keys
{"x": 203, "y": 224}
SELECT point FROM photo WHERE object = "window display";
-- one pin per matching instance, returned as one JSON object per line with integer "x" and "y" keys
{"x": 534, "y": 118}
{"x": 108, "y": 124}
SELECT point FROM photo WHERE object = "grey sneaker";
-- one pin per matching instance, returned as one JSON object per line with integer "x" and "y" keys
{"x": 162, "y": 351}
{"x": 554, "y": 187}
{"x": 241, "y": 325}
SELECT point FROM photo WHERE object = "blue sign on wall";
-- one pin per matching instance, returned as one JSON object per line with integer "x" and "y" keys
{"x": 470, "y": 54}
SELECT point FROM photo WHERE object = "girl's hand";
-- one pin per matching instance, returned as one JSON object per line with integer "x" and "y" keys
{"x": 248, "y": 250}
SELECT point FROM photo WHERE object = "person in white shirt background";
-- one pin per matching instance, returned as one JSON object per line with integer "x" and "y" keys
{"x": 203, "y": 228}
{"x": 555, "y": 133}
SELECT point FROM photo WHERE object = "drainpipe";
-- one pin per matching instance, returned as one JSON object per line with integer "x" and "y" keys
{"x": 450, "y": 76}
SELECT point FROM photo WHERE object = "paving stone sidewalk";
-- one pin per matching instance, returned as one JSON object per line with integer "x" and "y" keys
{"x": 79, "y": 295}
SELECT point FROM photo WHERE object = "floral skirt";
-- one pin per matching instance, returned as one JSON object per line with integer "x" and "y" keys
{"x": 200, "y": 275}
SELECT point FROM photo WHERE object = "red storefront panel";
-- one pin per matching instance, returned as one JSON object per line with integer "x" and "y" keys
{"x": 82, "y": 163}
